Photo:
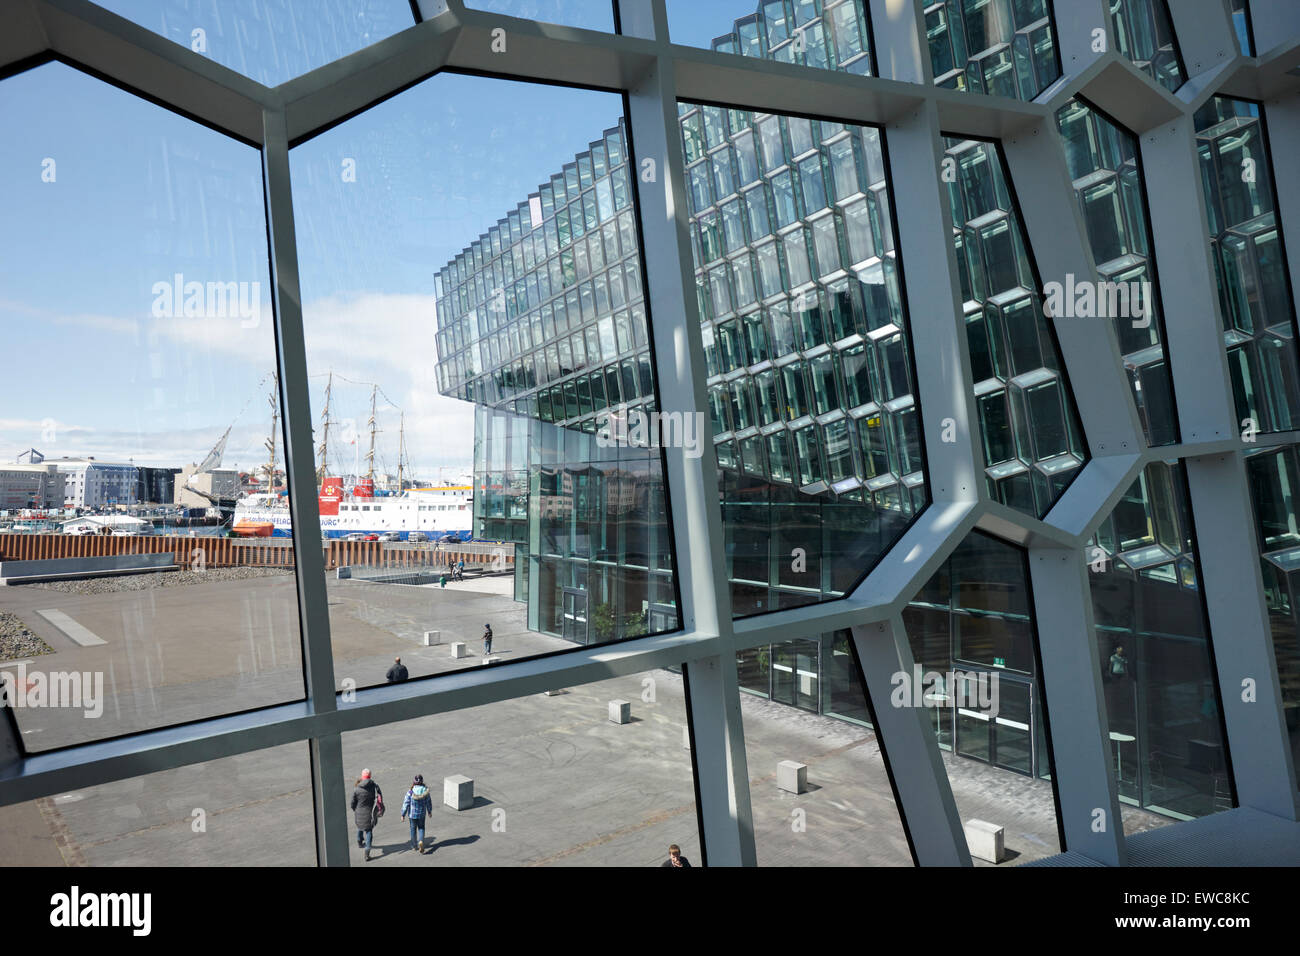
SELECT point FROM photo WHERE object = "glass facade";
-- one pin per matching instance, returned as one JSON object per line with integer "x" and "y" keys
{"x": 972, "y": 624}
{"x": 998, "y": 47}
{"x": 811, "y": 397}
{"x": 1153, "y": 641}
{"x": 1274, "y": 475}
{"x": 1144, "y": 33}
{"x": 1107, "y": 172}
{"x": 826, "y": 34}
{"x": 205, "y": 268}
{"x": 1032, "y": 440}
{"x": 1250, "y": 264}
{"x": 542, "y": 325}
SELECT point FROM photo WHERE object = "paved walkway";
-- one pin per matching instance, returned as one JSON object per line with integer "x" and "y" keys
{"x": 557, "y": 782}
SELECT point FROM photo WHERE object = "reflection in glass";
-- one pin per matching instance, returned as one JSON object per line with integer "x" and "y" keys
{"x": 1154, "y": 646}
{"x": 1108, "y": 185}
{"x": 998, "y": 47}
{"x": 971, "y": 633}
{"x": 826, "y": 34}
{"x": 1250, "y": 264}
{"x": 1033, "y": 442}
{"x": 813, "y": 412}
{"x": 1144, "y": 33}
{"x": 1274, "y": 475}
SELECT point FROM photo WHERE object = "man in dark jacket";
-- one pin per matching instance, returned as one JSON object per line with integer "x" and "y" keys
{"x": 366, "y": 799}
{"x": 675, "y": 858}
{"x": 398, "y": 672}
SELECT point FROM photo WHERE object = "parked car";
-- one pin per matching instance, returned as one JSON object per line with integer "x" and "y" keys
{"x": 355, "y": 536}
{"x": 371, "y": 537}
{"x": 390, "y": 536}
{"x": 417, "y": 536}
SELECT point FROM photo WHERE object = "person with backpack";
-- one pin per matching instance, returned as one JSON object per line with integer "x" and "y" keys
{"x": 367, "y": 808}
{"x": 417, "y": 805}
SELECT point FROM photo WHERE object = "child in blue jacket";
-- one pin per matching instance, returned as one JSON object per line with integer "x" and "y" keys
{"x": 416, "y": 806}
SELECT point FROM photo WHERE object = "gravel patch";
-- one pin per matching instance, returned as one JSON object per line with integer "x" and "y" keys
{"x": 157, "y": 579}
{"x": 16, "y": 641}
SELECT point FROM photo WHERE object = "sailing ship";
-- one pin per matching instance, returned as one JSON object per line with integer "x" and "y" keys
{"x": 434, "y": 513}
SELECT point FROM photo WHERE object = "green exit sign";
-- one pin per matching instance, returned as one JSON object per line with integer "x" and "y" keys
{"x": 999, "y": 662}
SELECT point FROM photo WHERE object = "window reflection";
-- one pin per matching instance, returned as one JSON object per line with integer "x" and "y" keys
{"x": 1153, "y": 642}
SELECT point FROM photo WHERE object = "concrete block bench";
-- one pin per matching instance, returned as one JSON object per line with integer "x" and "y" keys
{"x": 985, "y": 840}
{"x": 458, "y": 650}
{"x": 620, "y": 711}
{"x": 792, "y": 777}
{"x": 458, "y": 792}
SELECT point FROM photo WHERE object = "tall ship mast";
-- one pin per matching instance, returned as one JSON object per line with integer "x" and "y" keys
{"x": 374, "y": 430}
{"x": 325, "y": 433}
{"x": 437, "y": 512}
{"x": 274, "y": 401}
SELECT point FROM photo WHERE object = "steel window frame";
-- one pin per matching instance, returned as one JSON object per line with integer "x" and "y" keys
{"x": 653, "y": 74}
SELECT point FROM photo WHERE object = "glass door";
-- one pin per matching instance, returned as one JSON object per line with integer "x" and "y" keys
{"x": 795, "y": 675}
{"x": 1012, "y": 737}
{"x": 1002, "y": 735}
{"x": 575, "y": 616}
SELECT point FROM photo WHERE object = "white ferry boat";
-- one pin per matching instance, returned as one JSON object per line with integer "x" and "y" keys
{"x": 443, "y": 512}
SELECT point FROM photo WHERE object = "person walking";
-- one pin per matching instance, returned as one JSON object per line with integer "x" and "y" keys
{"x": 367, "y": 808}
{"x": 417, "y": 805}
{"x": 460, "y": 570}
{"x": 398, "y": 672}
{"x": 487, "y": 639}
{"x": 675, "y": 858}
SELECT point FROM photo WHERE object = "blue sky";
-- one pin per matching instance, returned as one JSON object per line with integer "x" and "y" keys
{"x": 139, "y": 195}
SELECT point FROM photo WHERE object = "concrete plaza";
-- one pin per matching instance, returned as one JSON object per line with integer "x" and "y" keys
{"x": 556, "y": 782}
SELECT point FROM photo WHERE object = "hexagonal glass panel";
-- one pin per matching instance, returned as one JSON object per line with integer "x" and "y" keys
{"x": 1153, "y": 641}
{"x": 138, "y": 255}
{"x": 1032, "y": 440}
{"x": 1144, "y": 33}
{"x": 1274, "y": 475}
{"x": 270, "y": 41}
{"x": 973, "y": 643}
{"x": 815, "y": 420}
{"x": 474, "y": 313}
{"x": 1250, "y": 264}
{"x": 1106, "y": 168}
{"x": 599, "y": 774}
{"x": 826, "y": 34}
{"x": 998, "y": 47}
{"x": 253, "y": 809}
{"x": 847, "y": 816}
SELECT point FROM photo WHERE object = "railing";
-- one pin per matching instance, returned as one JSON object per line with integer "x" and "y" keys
{"x": 214, "y": 552}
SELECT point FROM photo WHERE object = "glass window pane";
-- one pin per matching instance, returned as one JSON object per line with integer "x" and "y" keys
{"x": 151, "y": 261}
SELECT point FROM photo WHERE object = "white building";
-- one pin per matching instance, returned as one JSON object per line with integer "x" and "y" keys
{"x": 31, "y": 486}
{"x": 97, "y": 484}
